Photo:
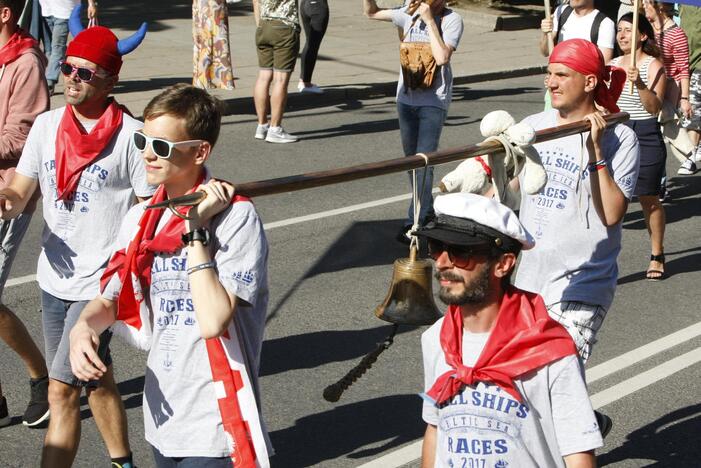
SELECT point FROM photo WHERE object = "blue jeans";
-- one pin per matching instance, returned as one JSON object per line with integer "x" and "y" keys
{"x": 420, "y": 128}
{"x": 59, "y": 37}
{"x": 189, "y": 462}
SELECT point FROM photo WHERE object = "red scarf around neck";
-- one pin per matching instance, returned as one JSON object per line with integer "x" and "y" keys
{"x": 523, "y": 339}
{"x": 136, "y": 262}
{"x": 75, "y": 149}
{"x": 19, "y": 42}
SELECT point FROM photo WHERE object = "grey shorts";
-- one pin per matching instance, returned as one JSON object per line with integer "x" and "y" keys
{"x": 59, "y": 317}
{"x": 695, "y": 101}
{"x": 11, "y": 234}
{"x": 582, "y": 322}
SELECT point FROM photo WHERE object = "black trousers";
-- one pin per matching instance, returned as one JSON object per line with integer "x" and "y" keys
{"x": 315, "y": 19}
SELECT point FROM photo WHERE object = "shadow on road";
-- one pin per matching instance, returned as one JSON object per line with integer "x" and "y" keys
{"x": 344, "y": 431}
{"x": 311, "y": 350}
{"x": 668, "y": 441}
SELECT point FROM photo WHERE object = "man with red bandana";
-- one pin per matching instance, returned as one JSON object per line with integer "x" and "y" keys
{"x": 89, "y": 175}
{"x": 591, "y": 178}
{"x": 503, "y": 386}
{"x": 23, "y": 96}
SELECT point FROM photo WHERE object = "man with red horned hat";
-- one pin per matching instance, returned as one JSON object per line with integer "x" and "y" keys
{"x": 89, "y": 177}
{"x": 503, "y": 386}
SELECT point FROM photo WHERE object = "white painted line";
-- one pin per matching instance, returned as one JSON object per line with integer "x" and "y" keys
{"x": 639, "y": 354}
{"x": 20, "y": 280}
{"x": 412, "y": 452}
{"x": 646, "y": 378}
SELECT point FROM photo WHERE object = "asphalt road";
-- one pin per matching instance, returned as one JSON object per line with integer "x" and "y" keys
{"x": 328, "y": 274}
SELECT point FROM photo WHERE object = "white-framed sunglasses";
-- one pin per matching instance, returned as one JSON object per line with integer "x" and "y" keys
{"x": 161, "y": 147}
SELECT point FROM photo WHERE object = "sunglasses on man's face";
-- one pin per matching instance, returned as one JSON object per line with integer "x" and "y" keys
{"x": 160, "y": 147}
{"x": 83, "y": 74}
{"x": 459, "y": 256}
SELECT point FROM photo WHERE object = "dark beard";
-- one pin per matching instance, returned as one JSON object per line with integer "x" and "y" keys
{"x": 475, "y": 292}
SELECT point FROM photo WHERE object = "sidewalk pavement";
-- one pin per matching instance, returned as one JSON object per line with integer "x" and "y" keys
{"x": 358, "y": 58}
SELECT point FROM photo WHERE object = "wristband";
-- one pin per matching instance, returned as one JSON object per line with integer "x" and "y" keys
{"x": 201, "y": 266}
{"x": 684, "y": 98}
{"x": 597, "y": 165}
{"x": 201, "y": 234}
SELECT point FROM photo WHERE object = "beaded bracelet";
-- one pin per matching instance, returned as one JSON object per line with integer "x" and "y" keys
{"x": 201, "y": 266}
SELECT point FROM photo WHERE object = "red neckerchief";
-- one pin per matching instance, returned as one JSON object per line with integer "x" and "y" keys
{"x": 137, "y": 261}
{"x": 485, "y": 166}
{"x": 75, "y": 149}
{"x": 18, "y": 44}
{"x": 524, "y": 338}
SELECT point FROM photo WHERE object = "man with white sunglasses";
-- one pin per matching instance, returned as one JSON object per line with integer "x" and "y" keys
{"x": 83, "y": 159}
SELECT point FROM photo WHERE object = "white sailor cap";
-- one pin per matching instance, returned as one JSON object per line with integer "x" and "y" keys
{"x": 469, "y": 219}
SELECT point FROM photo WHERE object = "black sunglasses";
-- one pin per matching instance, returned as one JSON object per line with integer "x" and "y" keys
{"x": 459, "y": 256}
{"x": 83, "y": 74}
{"x": 161, "y": 148}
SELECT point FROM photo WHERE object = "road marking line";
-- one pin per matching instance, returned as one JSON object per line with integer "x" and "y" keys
{"x": 412, "y": 452}
{"x": 646, "y": 378}
{"x": 633, "y": 357}
{"x": 282, "y": 223}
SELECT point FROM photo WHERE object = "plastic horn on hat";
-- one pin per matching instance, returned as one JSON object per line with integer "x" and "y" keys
{"x": 124, "y": 46}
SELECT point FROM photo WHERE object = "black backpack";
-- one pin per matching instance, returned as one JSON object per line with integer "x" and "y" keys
{"x": 594, "y": 33}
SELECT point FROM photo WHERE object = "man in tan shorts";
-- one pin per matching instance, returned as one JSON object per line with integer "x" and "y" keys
{"x": 277, "y": 41}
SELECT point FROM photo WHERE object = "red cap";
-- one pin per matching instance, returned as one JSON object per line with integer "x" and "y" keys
{"x": 99, "y": 45}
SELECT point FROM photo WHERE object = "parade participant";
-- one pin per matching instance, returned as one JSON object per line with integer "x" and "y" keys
{"x": 88, "y": 178}
{"x": 277, "y": 40}
{"x": 424, "y": 90}
{"x": 23, "y": 96}
{"x": 643, "y": 105}
{"x": 502, "y": 379}
{"x": 690, "y": 17}
{"x": 590, "y": 182}
{"x": 215, "y": 315}
{"x": 579, "y": 19}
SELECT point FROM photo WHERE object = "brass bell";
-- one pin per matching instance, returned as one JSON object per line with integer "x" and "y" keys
{"x": 410, "y": 297}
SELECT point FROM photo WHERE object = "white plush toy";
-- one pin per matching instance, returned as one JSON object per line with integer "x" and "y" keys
{"x": 478, "y": 175}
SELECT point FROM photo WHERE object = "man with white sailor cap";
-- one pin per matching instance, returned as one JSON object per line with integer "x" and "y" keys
{"x": 502, "y": 379}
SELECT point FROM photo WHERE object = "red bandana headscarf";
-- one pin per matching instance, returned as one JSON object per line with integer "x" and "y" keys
{"x": 584, "y": 57}
{"x": 75, "y": 149}
{"x": 19, "y": 42}
{"x": 136, "y": 262}
{"x": 524, "y": 338}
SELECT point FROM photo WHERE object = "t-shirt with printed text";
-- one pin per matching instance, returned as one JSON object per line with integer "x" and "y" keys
{"x": 181, "y": 414}
{"x": 483, "y": 426}
{"x": 575, "y": 254}
{"x": 79, "y": 232}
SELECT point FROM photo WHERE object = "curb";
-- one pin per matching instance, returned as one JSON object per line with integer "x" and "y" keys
{"x": 499, "y": 22}
{"x": 297, "y": 101}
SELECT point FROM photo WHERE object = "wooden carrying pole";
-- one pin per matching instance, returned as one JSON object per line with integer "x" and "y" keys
{"x": 347, "y": 174}
{"x": 634, "y": 40}
{"x": 549, "y": 17}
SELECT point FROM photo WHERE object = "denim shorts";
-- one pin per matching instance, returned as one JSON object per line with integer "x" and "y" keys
{"x": 11, "y": 234}
{"x": 189, "y": 462}
{"x": 58, "y": 318}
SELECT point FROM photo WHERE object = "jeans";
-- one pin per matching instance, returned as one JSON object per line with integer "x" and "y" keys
{"x": 59, "y": 37}
{"x": 420, "y": 128}
{"x": 189, "y": 462}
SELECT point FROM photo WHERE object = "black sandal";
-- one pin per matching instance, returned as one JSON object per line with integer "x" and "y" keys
{"x": 656, "y": 258}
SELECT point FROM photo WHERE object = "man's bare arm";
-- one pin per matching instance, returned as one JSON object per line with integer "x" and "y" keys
{"x": 372, "y": 11}
{"x": 14, "y": 198}
{"x": 580, "y": 460}
{"x": 428, "y": 448}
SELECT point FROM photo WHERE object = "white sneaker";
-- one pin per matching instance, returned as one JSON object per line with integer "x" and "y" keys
{"x": 279, "y": 135}
{"x": 688, "y": 167}
{"x": 311, "y": 89}
{"x": 261, "y": 131}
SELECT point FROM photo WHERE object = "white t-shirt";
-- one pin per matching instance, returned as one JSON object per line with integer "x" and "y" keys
{"x": 581, "y": 265}
{"x": 79, "y": 234}
{"x": 579, "y": 27}
{"x": 483, "y": 426}
{"x": 181, "y": 414}
{"x": 58, "y": 8}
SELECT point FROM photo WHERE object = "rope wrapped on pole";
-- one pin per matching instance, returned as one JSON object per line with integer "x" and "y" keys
{"x": 390, "y": 166}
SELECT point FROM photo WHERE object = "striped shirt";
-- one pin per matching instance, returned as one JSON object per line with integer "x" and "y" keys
{"x": 631, "y": 103}
{"x": 675, "y": 52}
